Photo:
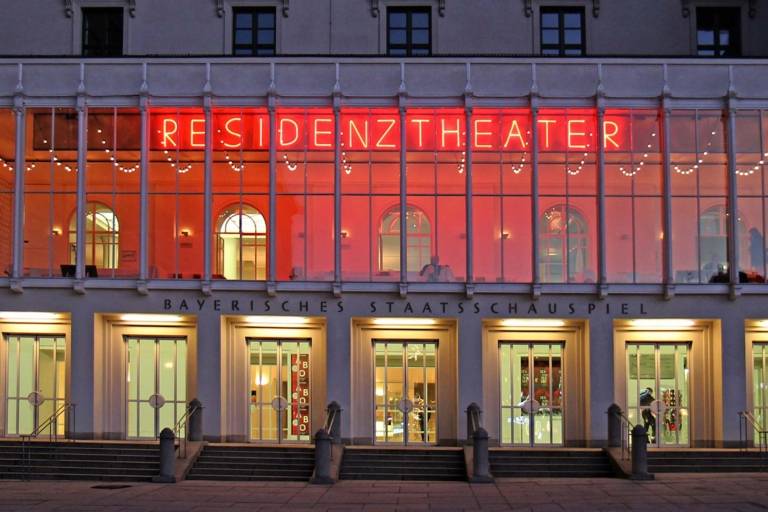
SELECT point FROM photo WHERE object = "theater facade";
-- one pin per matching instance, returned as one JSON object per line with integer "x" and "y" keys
{"x": 405, "y": 237}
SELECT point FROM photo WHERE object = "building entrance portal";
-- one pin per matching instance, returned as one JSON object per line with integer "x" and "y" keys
{"x": 658, "y": 391}
{"x": 280, "y": 394}
{"x": 406, "y": 392}
{"x": 35, "y": 384}
{"x": 157, "y": 384}
{"x": 531, "y": 393}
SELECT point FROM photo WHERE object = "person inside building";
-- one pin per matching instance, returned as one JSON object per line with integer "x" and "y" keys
{"x": 649, "y": 420}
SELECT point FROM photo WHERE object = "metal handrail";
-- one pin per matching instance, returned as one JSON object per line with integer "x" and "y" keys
{"x": 49, "y": 423}
{"x": 183, "y": 424}
{"x": 474, "y": 420}
{"x": 330, "y": 420}
{"x": 626, "y": 436}
{"x": 746, "y": 420}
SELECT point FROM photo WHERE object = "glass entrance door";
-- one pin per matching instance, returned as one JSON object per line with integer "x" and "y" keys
{"x": 658, "y": 391}
{"x": 35, "y": 385}
{"x": 531, "y": 393}
{"x": 280, "y": 390}
{"x": 406, "y": 392}
{"x": 156, "y": 378}
{"x": 760, "y": 382}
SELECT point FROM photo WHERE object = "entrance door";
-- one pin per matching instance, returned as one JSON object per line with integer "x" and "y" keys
{"x": 658, "y": 392}
{"x": 760, "y": 383}
{"x": 280, "y": 390}
{"x": 406, "y": 392}
{"x": 35, "y": 374}
{"x": 531, "y": 393}
{"x": 156, "y": 375}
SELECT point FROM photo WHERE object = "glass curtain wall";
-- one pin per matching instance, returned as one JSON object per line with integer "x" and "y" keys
{"x": 176, "y": 175}
{"x": 568, "y": 196}
{"x": 241, "y": 194}
{"x": 436, "y": 188}
{"x": 370, "y": 203}
{"x": 752, "y": 188}
{"x": 699, "y": 190}
{"x": 369, "y": 164}
{"x": 501, "y": 195}
{"x": 112, "y": 194}
{"x": 50, "y": 191}
{"x": 305, "y": 187}
{"x": 7, "y": 186}
{"x": 633, "y": 204}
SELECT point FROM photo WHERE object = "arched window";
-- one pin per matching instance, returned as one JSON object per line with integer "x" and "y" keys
{"x": 564, "y": 246}
{"x": 102, "y": 231}
{"x": 418, "y": 240}
{"x": 241, "y": 244}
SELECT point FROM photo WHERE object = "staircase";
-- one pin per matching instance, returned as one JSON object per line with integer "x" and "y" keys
{"x": 693, "y": 460}
{"x": 403, "y": 464}
{"x": 77, "y": 460}
{"x": 244, "y": 462}
{"x": 563, "y": 462}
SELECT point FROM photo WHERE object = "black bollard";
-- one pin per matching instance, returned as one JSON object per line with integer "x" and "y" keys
{"x": 167, "y": 458}
{"x": 640, "y": 454}
{"x": 322, "y": 473}
{"x": 614, "y": 426}
{"x": 195, "y": 432}
{"x": 481, "y": 465}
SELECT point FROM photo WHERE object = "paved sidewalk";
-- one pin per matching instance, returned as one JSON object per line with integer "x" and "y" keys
{"x": 741, "y": 492}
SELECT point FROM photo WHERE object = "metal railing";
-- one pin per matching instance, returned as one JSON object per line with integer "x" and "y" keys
{"x": 182, "y": 426}
{"x": 51, "y": 424}
{"x": 474, "y": 420}
{"x": 332, "y": 424}
{"x": 626, "y": 436}
{"x": 747, "y": 420}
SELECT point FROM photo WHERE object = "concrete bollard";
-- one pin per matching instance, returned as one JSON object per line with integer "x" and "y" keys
{"x": 195, "y": 432}
{"x": 335, "y": 409}
{"x": 481, "y": 464}
{"x": 322, "y": 473}
{"x": 614, "y": 426}
{"x": 167, "y": 457}
{"x": 640, "y": 454}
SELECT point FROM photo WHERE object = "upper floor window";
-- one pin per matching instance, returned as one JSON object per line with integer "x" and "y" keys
{"x": 718, "y": 31}
{"x": 562, "y": 31}
{"x": 409, "y": 31}
{"x": 253, "y": 31}
{"x": 102, "y": 31}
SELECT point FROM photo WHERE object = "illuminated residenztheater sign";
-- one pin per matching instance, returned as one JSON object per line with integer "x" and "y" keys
{"x": 380, "y": 130}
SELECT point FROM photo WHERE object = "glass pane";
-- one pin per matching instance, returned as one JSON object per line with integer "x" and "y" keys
{"x": 397, "y": 36}
{"x": 550, "y": 36}
{"x": 549, "y": 20}
{"x": 572, "y": 20}
{"x": 243, "y": 20}
{"x": 573, "y": 36}
{"x": 266, "y": 20}
{"x": 397, "y": 20}
{"x": 420, "y": 20}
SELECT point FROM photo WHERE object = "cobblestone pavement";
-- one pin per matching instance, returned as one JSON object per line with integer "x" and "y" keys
{"x": 742, "y": 492}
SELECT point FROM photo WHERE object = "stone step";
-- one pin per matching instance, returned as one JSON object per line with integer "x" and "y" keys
{"x": 399, "y": 464}
{"x": 560, "y": 463}
{"x": 246, "y": 463}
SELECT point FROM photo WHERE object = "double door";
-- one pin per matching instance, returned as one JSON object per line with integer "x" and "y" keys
{"x": 531, "y": 393}
{"x": 156, "y": 378}
{"x": 280, "y": 392}
{"x": 658, "y": 391}
{"x": 405, "y": 391}
{"x": 35, "y": 382}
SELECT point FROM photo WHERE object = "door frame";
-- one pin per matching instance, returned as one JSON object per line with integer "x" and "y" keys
{"x": 563, "y": 380}
{"x": 657, "y": 379}
{"x": 234, "y": 420}
{"x": 60, "y": 327}
{"x": 362, "y": 383}
{"x": 705, "y": 380}
{"x": 156, "y": 412}
{"x": 279, "y": 341}
{"x": 404, "y": 342}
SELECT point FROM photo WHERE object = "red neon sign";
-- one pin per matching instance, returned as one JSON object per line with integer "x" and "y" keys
{"x": 380, "y": 130}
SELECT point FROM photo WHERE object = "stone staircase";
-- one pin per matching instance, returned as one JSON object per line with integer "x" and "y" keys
{"x": 692, "y": 460}
{"x": 403, "y": 464}
{"x": 79, "y": 460}
{"x": 556, "y": 462}
{"x": 247, "y": 462}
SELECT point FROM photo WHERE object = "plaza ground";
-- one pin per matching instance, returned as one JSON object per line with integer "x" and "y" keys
{"x": 740, "y": 492}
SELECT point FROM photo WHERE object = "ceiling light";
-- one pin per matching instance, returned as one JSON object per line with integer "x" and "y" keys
{"x": 277, "y": 320}
{"x": 532, "y": 323}
{"x": 27, "y": 316}
{"x": 151, "y": 318}
{"x": 405, "y": 321}
{"x": 662, "y": 323}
